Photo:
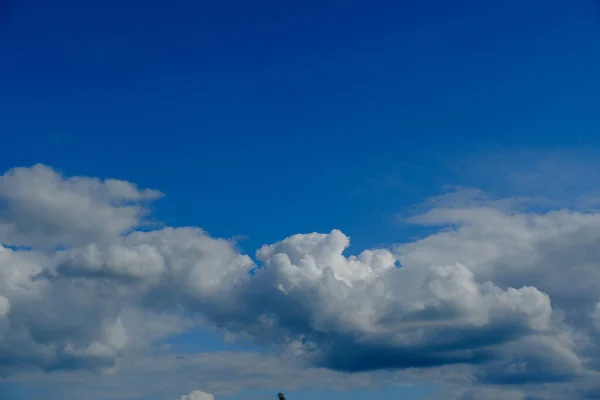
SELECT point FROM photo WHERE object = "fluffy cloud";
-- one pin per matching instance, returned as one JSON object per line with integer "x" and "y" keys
{"x": 511, "y": 294}
{"x": 362, "y": 312}
{"x": 43, "y": 208}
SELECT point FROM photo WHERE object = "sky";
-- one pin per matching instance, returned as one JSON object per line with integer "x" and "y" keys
{"x": 332, "y": 199}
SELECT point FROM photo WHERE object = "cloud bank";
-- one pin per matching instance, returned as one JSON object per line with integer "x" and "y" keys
{"x": 511, "y": 295}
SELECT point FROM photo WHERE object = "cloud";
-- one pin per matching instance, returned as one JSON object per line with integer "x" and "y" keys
{"x": 43, "y": 208}
{"x": 362, "y": 312}
{"x": 162, "y": 374}
{"x": 508, "y": 293}
{"x": 491, "y": 394}
{"x": 197, "y": 395}
{"x": 553, "y": 177}
{"x": 4, "y": 306}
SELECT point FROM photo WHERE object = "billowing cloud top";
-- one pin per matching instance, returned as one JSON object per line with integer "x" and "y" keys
{"x": 512, "y": 295}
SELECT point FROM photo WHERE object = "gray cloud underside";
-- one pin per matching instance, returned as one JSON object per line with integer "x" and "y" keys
{"x": 511, "y": 295}
{"x": 163, "y": 374}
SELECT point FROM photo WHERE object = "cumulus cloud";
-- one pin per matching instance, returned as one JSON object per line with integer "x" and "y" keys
{"x": 362, "y": 312}
{"x": 40, "y": 207}
{"x": 509, "y": 293}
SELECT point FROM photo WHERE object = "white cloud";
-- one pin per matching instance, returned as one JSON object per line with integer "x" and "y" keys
{"x": 141, "y": 261}
{"x": 197, "y": 395}
{"x": 511, "y": 295}
{"x": 43, "y": 208}
{"x": 341, "y": 311}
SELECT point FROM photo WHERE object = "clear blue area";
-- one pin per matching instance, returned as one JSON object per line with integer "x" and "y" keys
{"x": 269, "y": 118}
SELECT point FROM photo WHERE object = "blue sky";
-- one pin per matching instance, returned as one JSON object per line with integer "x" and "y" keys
{"x": 302, "y": 104}
{"x": 260, "y": 120}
